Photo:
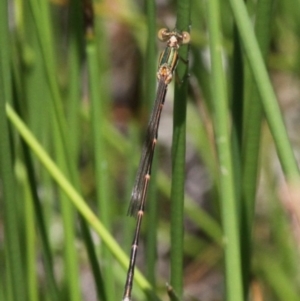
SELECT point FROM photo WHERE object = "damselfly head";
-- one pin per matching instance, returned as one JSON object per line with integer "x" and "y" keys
{"x": 174, "y": 37}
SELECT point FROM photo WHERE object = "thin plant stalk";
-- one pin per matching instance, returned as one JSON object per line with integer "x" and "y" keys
{"x": 73, "y": 195}
{"x": 252, "y": 126}
{"x": 70, "y": 254}
{"x": 267, "y": 94}
{"x": 11, "y": 234}
{"x": 75, "y": 55}
{"x": 40, "y": 10}
{"x": 178, "y": 155}
{"x": 233, "y": 268}
{"x": 98, "y": 97}
{"x": 41, "y": 225}
{"x": 252, "y": 134}
{"x": 41, "y": 18}
{"x": 33, "y": 105}
{"x": 31, "y": 275}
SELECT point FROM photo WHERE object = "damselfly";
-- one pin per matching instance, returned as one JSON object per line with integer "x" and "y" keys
{"x": 167, "y": 63}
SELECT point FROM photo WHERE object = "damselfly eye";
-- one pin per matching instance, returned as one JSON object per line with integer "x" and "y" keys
{"x": 185, "y": 37}
{"x": 162, "y": 34}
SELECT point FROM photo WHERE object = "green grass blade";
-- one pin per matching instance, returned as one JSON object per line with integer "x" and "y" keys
{"x": 98, "y": 97}
{"x": 41, "y": 224}
{"x": 178, "y": 156}
{"x": 71, "y": 269}
{"x": 253, "y": 114}
{"x": 265, "y": 89}
{"x": 233, "y": 269}
{"x": 253, "y": 118}
{"x": 31, "y": 254}
{"x": 75, "y": 55}
{"x": 77, "y": 200}
{"x": 12, "y": 243}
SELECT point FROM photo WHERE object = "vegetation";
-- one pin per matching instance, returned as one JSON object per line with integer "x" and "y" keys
{"x": 77, "y": 85}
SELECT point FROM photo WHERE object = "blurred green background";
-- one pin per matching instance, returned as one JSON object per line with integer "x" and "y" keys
{"x": 80, "y": 77}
